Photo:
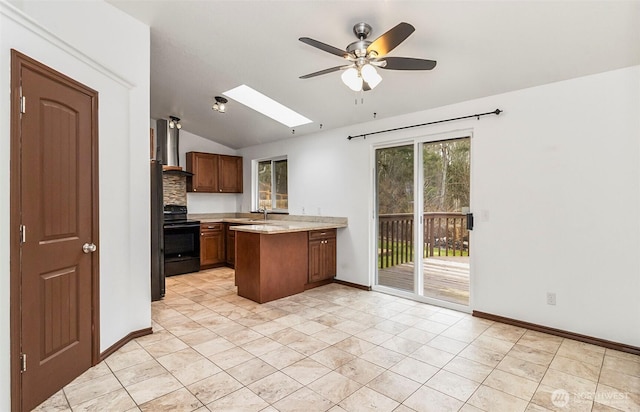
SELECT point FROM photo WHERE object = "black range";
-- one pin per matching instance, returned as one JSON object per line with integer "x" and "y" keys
{"x": 181, "y": 241}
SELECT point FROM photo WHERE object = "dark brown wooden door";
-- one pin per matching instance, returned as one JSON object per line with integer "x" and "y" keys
{"x": 57, "y": 136}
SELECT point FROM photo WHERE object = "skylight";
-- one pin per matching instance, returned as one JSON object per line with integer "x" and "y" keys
{"x": 266, "y": 105}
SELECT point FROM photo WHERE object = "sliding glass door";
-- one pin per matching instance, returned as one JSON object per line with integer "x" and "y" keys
{"x": 422, "y": 201}
{"x": 395, "y": 210}
{"x": 446, "y": 173}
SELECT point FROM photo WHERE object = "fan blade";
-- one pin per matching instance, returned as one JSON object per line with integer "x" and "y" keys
{"x": 391, "y": 39}
{"x": 365, "y": 86}
{"x": 407, "y": 63}
{"x": 325, "y": 71}
{"x": 325, "y": 47}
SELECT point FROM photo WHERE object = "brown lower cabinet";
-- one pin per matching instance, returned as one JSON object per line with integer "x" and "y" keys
{"x": 218, "y": 248}
{"x": 322, "y": 255}
{"x": 212, "y": 251}
{"x": 231, "y": 244}
{"x": 271, "y": 266}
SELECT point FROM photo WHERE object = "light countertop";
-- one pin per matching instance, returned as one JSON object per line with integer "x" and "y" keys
{"x": 275, "y": 223}
{"x": 283, "y": 226}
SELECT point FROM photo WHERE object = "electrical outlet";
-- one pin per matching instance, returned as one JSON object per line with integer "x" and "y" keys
{"x": 551, "y": 298}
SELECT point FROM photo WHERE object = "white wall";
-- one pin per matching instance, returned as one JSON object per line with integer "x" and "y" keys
{"x": 67, "y": 37}
{"x": 555, "y": 190}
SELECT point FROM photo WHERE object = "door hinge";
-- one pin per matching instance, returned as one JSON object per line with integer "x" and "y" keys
{"x": 23, "y": 234}
{"x": 23, "y": 102}
{"x": 23, "y": 362}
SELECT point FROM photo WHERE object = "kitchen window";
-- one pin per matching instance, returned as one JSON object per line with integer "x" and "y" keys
{"x": 272, "y": 189}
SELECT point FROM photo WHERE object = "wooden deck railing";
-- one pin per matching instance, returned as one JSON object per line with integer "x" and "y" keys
{"x": 445, "y": 234}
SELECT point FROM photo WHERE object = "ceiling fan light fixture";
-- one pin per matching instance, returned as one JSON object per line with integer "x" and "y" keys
{"x": 363, "y": 56}
{"x": 351, "y": 78}
{"x": 370, "y": 75}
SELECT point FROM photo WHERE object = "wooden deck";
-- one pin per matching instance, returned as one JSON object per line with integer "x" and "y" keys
{"x": 445, "y": 278}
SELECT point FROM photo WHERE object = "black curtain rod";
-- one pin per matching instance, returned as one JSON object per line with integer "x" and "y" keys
{"x": 496, "y": 112}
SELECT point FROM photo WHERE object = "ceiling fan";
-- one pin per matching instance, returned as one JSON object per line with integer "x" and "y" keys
{"x": 364, "y": 56}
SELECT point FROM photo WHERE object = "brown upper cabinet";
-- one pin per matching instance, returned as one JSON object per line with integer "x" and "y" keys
{"x": 214, "y": 173}
{"x": 229, "y": 174}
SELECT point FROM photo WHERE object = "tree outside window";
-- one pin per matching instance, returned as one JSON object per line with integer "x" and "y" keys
{"x": 273, "y": 184}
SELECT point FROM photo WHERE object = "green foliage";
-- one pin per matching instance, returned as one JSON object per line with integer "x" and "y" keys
{"x": 273, "y": 177}
{"x": 389, "y": 250}
{"x": 446, "y": 172}
{"x": 394, "y": 169}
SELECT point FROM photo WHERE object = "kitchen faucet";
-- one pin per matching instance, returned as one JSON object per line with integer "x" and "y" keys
{"x": 264, "y": 211}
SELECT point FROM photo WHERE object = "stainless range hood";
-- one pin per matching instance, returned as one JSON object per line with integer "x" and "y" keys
{"x": 168, "y": 143}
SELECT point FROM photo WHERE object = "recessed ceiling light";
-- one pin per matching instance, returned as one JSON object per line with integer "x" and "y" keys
{"x": 266, "y": 105}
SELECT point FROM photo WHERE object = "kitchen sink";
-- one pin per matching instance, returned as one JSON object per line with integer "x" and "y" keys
{"x": 261, "y": 221}
{"x": 253, "y": 221}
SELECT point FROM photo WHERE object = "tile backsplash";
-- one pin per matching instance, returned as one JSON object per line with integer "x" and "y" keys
{"x": 174, "y": 187}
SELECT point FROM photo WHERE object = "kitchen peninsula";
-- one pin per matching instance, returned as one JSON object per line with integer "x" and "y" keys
{"x": 283, "y": 255}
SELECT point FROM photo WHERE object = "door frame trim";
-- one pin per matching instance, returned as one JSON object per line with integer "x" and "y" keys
{"x": 415, "y": 141}
{"x": 18, "y": 61}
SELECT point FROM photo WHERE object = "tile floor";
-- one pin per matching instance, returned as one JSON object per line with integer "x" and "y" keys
{"x": 337, "y": 349}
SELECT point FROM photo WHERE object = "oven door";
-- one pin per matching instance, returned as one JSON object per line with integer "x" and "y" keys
{"x": 181, "y": 248}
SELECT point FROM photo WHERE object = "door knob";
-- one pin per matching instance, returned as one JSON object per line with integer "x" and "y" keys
{"x": 89, "y": 248}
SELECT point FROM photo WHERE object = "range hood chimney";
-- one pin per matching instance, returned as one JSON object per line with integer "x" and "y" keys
{"x": 168, "y": 143}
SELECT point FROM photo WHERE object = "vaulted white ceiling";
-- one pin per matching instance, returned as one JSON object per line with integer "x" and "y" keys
{"x": 200, "y": 49}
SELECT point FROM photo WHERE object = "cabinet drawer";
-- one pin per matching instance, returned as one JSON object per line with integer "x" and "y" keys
{"x": 322, "y": 234}
{"x": 211, "y": 226}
